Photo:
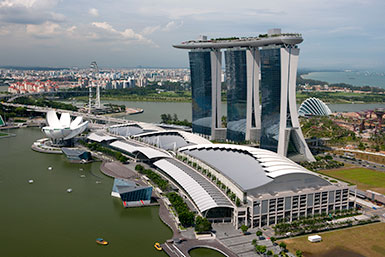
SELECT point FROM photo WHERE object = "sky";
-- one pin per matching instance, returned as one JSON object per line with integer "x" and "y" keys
{"x": 338, "y": 34}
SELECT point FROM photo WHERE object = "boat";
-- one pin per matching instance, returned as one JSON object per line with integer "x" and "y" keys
{"x": 157, "y": 246}
{"x": 30, "y": 181}
{"x": 101, "y": 241}
{"x": 49, "y": 168}
{"x": 69, "y": 190}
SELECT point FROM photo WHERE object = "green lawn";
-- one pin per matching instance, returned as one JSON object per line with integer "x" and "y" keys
{"x": 356, "y": 241}
{"x": 362, "y": 177}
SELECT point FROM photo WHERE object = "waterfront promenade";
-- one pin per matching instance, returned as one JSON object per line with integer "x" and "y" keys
{"x": 188, "y": 242}
{"x": 117, "y": 170}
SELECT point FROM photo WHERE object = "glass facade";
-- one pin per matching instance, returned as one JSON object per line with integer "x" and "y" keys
{"x": 130, "y": 191}
{"x": 236, "y": 80}
{"x": 143, "y": 193}
{"x": 270, "y": 97}
{"x": 201, "y": 87}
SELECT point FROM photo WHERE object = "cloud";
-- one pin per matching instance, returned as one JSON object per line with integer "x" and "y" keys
{"x": 29, "y": 3}
{"x": 150, "y": 29}
{"x": 71, "y": 29}
{"x": 93, "y": 12}
{"x": 4, "y": 31}
{"x": 172, "y": 25}
{"x": 29, "y": 11}
{"x": 127, "y": 35}
{"x": 45, "y": 30}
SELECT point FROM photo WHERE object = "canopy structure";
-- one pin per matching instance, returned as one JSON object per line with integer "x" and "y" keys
{"x": 205, "y": 195}
{"x": 100, "y": 137}
{"x": 171, "y": 139}
{"x": 314, "y": 107}
{"x": 135, "y": 150}
{"x": 252, "y": 169}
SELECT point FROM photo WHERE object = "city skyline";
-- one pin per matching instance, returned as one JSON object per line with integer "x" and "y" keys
{"x": 338, "y": 34}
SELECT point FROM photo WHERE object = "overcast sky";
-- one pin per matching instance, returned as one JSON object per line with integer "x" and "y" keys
{"x": 347, "y": 34}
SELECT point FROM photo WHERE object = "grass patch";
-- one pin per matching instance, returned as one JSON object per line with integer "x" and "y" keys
{"x": 363, "y": 240}
{"x": 364, "y": 178}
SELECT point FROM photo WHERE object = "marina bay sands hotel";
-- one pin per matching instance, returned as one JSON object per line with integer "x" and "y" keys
{"x": 261, "y": 77}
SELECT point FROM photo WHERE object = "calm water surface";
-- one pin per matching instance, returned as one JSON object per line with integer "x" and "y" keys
{"x": 153, "y": 110}
{"x": 42, "y": 219}
{"x": 356, "y": 78}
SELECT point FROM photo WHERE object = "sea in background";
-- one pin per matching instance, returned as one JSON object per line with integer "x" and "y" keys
{"x": 355, "y": 78}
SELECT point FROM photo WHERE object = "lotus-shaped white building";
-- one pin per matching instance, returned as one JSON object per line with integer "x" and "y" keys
{"x": 64, "y": 128}
{"x": 314, "y": 107}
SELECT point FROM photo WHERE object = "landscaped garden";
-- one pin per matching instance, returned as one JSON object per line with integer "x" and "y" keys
{"x": 320, "y": 222}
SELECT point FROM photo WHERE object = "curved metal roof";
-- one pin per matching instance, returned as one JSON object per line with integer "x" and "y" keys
{"x": 99, "y": 137}
{"x": 126, "y": 130}
{"x": 247, "y": 167}
{"x": 170, "y": 139}
{"x": 150, "y": 153}
{"x": 314, "y": 107}
{"x": 205, "y": 195}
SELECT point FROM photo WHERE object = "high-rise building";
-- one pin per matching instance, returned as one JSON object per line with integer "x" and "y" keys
{"x": 205, "y": 66}
{"x": 242, "y": 79}
{"x": 281, "y": 131}
{"x": 273, "y": 57}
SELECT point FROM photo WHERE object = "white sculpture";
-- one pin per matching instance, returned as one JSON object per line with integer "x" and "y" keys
{"x": 63, "y": 128}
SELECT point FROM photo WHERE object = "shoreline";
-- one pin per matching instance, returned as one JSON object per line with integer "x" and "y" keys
{"x": 189, "y": 101}
{"x": 307, "y": 73}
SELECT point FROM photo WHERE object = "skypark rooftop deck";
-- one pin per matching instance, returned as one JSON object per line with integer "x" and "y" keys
{"x": 261, "y": 40}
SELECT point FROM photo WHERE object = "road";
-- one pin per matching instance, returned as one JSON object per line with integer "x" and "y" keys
{"x": 89, "y": 116}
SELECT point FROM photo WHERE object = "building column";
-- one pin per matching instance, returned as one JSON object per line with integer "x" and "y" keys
{"x": 294, "y": 55}
{"x": 289, "y": 64}
{"x": 253, "y": 70}
{"x": 216, "y": 70}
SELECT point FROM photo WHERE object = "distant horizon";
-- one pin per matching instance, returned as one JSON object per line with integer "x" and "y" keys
{"x": 22, "y": 67}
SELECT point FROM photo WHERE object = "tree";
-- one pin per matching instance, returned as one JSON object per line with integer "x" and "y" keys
{"x": 298, "y": 253}
{"x": 254, "y": 242}
{"x": 139, "y": 168}
{"x": 260, "y": 249}
{"x": 273, "y": 239}
{"x": 259, "y": 233}
{"x": 238, "y": 202}
{"x": 269, "y": 253}
{"x": 282, "y": 245}
{"x": 361, "y": 146}
{"x": 186, "y": 218}
{"x": 244, "y": 228}
{"x": 202, "y": 225}
{"x": 164, "y": 118}
{"x": 224, "y": 121}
